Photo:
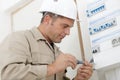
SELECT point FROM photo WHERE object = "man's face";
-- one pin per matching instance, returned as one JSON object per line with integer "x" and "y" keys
{"x": 58, "y": 29}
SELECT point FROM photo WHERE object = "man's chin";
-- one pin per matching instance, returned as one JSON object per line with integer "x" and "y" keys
{"x": 58, "y": 41}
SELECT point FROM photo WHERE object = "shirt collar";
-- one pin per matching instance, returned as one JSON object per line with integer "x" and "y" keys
{"x": 37, "y": 34}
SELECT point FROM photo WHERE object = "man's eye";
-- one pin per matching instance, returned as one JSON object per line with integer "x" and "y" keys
{"x": 65, "y": 26}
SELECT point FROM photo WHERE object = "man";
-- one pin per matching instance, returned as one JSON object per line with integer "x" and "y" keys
{"x": 32, "y": 54}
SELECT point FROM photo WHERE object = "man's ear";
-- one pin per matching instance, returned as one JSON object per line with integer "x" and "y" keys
{"x": 47, "y": 19}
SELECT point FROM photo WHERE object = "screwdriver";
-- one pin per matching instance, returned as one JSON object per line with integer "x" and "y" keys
{"x": 81, "y": 62}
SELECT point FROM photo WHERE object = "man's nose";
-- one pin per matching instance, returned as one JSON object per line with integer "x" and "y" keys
{"x": 67, "y": 31}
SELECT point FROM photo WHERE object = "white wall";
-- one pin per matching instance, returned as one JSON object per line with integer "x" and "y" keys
{"x": 6, "y": 4}
{"x": 113, "y": 74}
{"x": 27, "y": 17}
{"x": 5, "y": 22}
{"x": 7, "y": 7}
{"x": 5, "y": 17}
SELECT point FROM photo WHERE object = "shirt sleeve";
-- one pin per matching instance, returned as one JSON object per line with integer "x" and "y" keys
{"x": 13, "y": 61}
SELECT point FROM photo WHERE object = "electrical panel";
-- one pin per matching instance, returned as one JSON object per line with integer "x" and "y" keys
{"x": 104, "y": 29}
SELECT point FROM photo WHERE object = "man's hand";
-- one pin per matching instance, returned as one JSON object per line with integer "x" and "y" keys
{"x": 84, "y": 72}
{"x": 61, "y": 63}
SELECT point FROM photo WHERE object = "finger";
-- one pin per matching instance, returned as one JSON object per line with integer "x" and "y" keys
{"x": 70, "y": 64}
{"x": 80, "y": 77}
{"x": 72, "y": 59}
{"x": 87, "y": 68}
{"x": 84, "y": 76}
{"x": 73, "y": 62}
{"x": 84, "y": 73}
{"x": 87, "y": 63}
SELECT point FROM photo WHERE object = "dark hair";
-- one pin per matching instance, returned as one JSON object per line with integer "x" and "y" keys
{"x": 52, "y": 15}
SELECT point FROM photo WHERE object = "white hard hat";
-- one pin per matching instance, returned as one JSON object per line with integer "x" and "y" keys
{"x": 66, "y": 8}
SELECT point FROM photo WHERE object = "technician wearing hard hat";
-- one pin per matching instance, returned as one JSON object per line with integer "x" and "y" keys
{"x": 32, "y": 54}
